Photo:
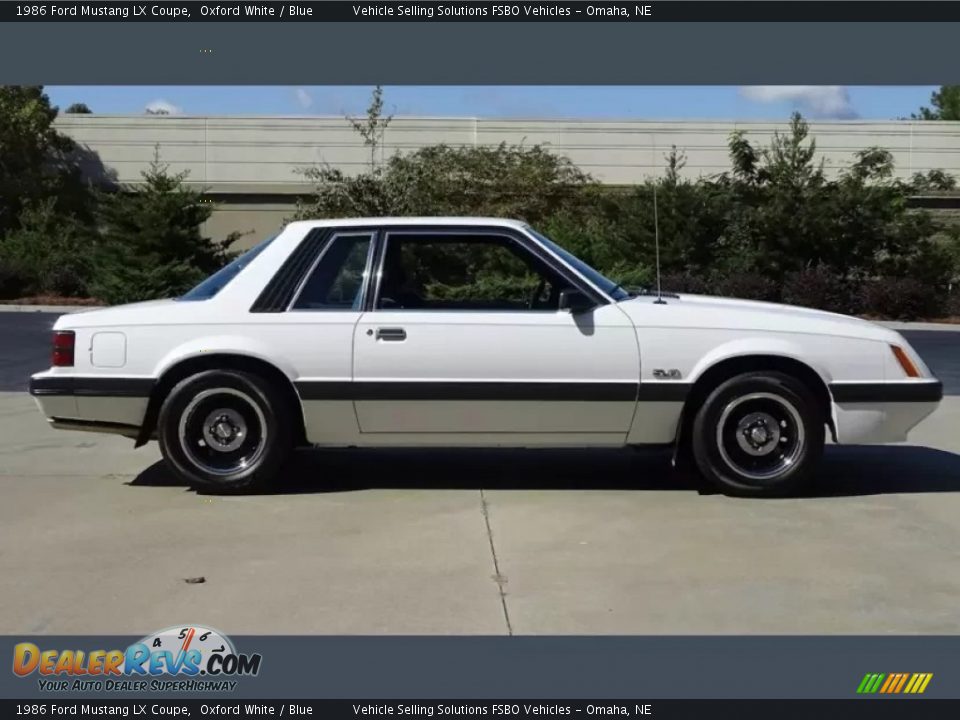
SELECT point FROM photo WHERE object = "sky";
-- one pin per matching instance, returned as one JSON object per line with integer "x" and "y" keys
{"x": 766, "y": 102}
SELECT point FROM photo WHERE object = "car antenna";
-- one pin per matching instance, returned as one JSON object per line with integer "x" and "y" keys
{"x": 656, "y": 244}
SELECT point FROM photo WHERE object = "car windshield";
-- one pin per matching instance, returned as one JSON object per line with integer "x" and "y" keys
{"x": 611, "y": 288}
{"x": 219, "y": 280}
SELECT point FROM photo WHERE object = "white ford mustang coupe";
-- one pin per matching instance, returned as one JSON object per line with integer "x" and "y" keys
{"x": 472, "y": 332}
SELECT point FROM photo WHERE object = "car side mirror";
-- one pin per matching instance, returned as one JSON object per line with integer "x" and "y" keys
{"x": 575, "y": 301}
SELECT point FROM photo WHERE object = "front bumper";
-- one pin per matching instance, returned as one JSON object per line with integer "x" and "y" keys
{"x": 883, "y": 412}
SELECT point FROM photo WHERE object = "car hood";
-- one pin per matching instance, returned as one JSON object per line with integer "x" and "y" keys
{"x": 703, "y": 311}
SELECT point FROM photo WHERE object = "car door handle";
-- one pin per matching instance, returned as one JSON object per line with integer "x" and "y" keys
{"x": 391, "y": 334}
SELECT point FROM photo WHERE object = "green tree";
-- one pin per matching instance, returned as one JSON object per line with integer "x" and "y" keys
{"x": 785, "y": 215}
{"x": 502, "y": 181}
{"x": 78, "y": 109}
{"x": 505, "y": 181}
{"x": 691, "y": 216}
{"x": 770, "y": 223}
{"x": 372, "y": 127}
{"x": 775, "y": 220}
{"x": 933, "y": 180}
{"x": 36, "y": 161}
{"x": 50, "y": 251}
{"x": 150, "y": 242}
{"x": 945, "y": 104}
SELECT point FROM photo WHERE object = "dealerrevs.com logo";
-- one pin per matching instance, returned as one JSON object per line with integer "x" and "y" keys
{"x": 188, "y": 659}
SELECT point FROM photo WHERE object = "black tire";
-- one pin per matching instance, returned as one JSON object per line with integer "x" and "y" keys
{"x": 759, "y": 434}
{"x": 225, "y": 431}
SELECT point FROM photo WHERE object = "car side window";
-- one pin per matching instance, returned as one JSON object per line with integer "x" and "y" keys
{"x": 464, "y": 272}
{"x": 336, "y": 283}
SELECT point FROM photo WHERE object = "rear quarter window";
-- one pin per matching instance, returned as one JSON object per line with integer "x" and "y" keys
{"x": 222, "y": 277}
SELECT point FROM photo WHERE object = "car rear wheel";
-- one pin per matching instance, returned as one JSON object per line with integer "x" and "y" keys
{"x": 225, "y": 431}
{"x": 759, "y": 435}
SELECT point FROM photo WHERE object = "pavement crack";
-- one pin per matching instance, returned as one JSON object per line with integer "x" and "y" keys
{"x": 497, "y": 576}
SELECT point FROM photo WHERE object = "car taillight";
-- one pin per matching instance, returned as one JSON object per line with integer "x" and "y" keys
{"x": 63, "y": 344}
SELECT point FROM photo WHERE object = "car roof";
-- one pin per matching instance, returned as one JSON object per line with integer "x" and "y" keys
{"x": 354, "y": 222}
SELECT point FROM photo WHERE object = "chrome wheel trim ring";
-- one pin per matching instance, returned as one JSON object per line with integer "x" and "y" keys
{"x": 789, "y": 423}
{"x": 187, "y": 446}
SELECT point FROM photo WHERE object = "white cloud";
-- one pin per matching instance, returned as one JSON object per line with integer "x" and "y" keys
{"x": 304, "y": 98}
{"x": 823, "y": 100}
{"x": 162, "y": 107}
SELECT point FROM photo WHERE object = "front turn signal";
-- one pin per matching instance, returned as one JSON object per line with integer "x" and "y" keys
{"x": 905, "y": 362}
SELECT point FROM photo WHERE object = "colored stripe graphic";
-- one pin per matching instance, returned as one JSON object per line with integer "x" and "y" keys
{"x": 870, "y": 683}
{"x": 910, "y": 685}
{"x": 894, "y": 683}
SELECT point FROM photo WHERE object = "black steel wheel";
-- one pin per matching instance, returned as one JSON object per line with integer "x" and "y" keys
{"x": 759, "y": 434}
{"x": 225, "y": 431}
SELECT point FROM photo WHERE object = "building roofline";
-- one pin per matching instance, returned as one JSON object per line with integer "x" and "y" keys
{"x": 520, "y": 119}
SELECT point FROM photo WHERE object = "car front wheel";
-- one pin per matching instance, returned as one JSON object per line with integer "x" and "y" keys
{"x": 225, "y": 431}
{"x": 759, "y": 435}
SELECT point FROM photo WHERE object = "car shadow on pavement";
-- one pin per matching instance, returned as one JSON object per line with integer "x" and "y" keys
{"x": 846, "y": 471}
{"x": 342, "y": 470}
{"x": 887, "y": 469}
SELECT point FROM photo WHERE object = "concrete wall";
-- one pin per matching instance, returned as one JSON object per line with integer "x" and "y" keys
{"x": 249, "y": 164}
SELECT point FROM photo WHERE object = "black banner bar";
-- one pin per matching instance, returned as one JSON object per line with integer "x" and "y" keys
{"x": 867, "y": 709}
{"x": 899, "y": 11}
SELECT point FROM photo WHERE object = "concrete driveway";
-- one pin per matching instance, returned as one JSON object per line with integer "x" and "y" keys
{"x": 96, "y": 537}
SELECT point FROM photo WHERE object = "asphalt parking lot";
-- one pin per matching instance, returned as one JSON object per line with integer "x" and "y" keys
{"x": 96, "y": 537}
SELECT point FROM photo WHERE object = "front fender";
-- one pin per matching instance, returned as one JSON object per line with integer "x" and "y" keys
{"x": 758, "y": 346}
{"x": 770, "y": 347}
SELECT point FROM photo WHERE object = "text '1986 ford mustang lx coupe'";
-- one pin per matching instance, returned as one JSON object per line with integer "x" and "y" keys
{"x": 472, "y": 332}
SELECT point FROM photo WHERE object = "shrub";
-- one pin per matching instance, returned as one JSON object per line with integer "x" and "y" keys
{"x": 747, "y": 286}
{"x": 902, "y": 299}
{"x": 633, "y": 276}
{"x": 150, "y": 242}
{"x": 67, "y": 281}
{"x": 116, "y": 286}
{"x": 530, "y": 183}
{"x": 15, "y": 279}
{"x": 51, "y": 250}
{"x": 953, "y": 303}
{"x": 684, "y": 283}
{"x": 821, "y": 288}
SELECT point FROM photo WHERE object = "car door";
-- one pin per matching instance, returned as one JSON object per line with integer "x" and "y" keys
{"x": 464, "y": 341}
{"x": 317, "y": 330}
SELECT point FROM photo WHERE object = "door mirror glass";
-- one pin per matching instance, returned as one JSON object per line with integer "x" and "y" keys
{"x": 575, "y": 301}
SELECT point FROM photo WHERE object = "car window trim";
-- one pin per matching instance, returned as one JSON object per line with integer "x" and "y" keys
{"x": 521, "y": 239}
{"x": 531, "y": 234}
{"x": 372, "y": 289}
{"x": 274, "y": 295}
{"x": 371, "y": 234}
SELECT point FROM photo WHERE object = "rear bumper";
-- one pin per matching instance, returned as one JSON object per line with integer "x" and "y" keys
{"x": 882, "y": 412}
{"x": 112, "y": 428}
{"x": 102, "y": 404}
